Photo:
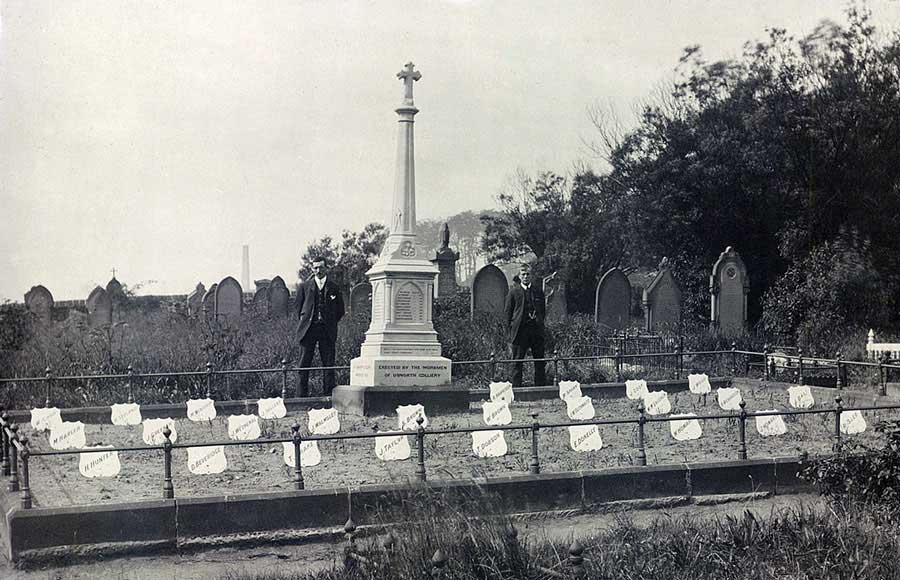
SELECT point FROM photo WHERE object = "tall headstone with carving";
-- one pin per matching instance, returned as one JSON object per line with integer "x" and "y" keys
{"x": 445, "y": 259}
{"x": 279, "y": 296}
{"x": 489, "y": 290}
{"x": 729, "y": 285}
{"x": 99, "y": 307}
{"x": 555, "y": 293}
{"x": 612, "y": 300}
{"x": 195, "y": 300}
{"x": 662, "y": 301}
{"x": 361, "y": 299}
{"x": 39, "y": 300}
{"x": 401, "y": 348}
{"x": 229, "y": 299}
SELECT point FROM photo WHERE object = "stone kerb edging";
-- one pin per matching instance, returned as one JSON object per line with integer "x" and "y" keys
{"x": 824, "y": 396}
{"x": 158, "y": 524}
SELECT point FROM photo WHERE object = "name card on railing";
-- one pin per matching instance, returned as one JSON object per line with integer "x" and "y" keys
{"x": 392, "y": 447}
{"x": 153, "y": 431}
{"x": 45, "y": 417}
{"x": 101, "y": 463}
{"x": 699, "y": 384}
{"x": 207, "y": 460}
{"x": 635, "y": 389}
{"x": 685, "y": 429}
{"x": 502, "y": 391}
{"x": 488, "y": 443}
{"x": 729, "y": 398}
{"x": 125, "y": 414}
{"x": 569, "y": 390}
{"x": 584, "y": 438}
{"x": 657, "y": 403}
{"x": 309, "y": 454}
{"x": 201, "y": 409}
{"x": 323, "y": 421}
{"x": 852, "y": 422}
{"x": 496, "y": 413}
{"x": 770, "y": 425}
{"x": 67, "y": 435}
{"x": 243, "y": 427}
{"x": 580, "y": 408}
{"x": 801, "y": 397}
{"x": 407, "y": 416}
{"x": 271, "y": 408}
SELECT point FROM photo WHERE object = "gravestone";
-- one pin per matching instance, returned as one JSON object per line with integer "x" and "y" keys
{"x": 229, "y": 299}
{"x": 445, "y": 259}
{"x": 279, "y": 296}
{"x": 209, "y": 301}
{"x": 39, "y": 300}
{"x": 555, "y": 295}
{"x": 195, "y": 300}
{"x": 489, "y": 290}
{"x": 261, "y": 300}
{"x": 612, "y": 300}
{"x": 99, "y": 307}
{"x": 662, "y": 302}
{"x": 728, "y": 288}
{"x": 361, "y": 300}
{"x": 114, "y": 291}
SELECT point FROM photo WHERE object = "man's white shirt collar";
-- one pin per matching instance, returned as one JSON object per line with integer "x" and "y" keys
{"x": 320, "y": 283}
{"x": 526, "y": 286}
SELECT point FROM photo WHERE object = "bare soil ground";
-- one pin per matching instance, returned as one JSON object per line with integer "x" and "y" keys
{"x": 56, "y": 481}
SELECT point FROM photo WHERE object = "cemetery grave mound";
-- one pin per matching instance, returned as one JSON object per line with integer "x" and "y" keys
{"x": 258, "y": 468}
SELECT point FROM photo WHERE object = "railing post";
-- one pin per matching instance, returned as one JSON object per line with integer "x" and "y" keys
{"x": 733, "y": 358}
{"x": 618, "y": 363}
{"x": 168, "y": 488}
{"x": 493, "y": 366}
{"x": 209, "y": 373}
{"x": 26, "y": 489}
{"x": 130, "y": 371}
{"x": 4, "y": 443}
{"x": 840, "y": 371}
{"x": 800, "y": 379}
{"x": 576, "y": 560}
{"x": 766, "y": 362}
{"x": 881, "y": 378}
{"x": 555, "y": 368}
{"x": 535, "y": 466}
{"x": 420, "y": 444}
{"x": 742, "y": 431}
{"x": 48, "y": 377}
{"x": 642, "y": 453}
{"x": 284, "y": 364}
{"x": 298, "y": 467}
{"x": 838, "y": 409}
{"x": 438, "y": 561}
{"x": 678, "y": 359}
{"x": 13, "y": 484}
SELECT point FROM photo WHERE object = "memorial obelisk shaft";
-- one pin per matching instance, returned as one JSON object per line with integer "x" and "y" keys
{"x": 401, "y": 347}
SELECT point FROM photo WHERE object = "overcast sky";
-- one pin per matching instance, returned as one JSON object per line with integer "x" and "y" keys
{"x": 159, "y": 137}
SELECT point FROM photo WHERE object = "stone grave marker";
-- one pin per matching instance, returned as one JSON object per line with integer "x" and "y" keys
{"x": 489, "y": 290}
{"x": 662, "y": 302}
{"x": 612, "y": 300}
{"x": 261, "y": 300}
{"x": 39, "y": 300}
{"x": 555, "y": 295}
{"x": 195, "y": 300}
{"x": 361, "y": 300}
{"x": 229, "y": 299}
{"x": 99, "y": 307}
{"x": 728, "y": 288}
{"x": 279, "y": 297}
{"x": 209, "y": 301}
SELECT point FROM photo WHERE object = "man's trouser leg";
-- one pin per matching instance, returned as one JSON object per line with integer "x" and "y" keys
{"x": 537, "y": 351}
{"x": 326, "y": 352}
{"x": 518, "y": 353}
{"x": 307, "y": 349}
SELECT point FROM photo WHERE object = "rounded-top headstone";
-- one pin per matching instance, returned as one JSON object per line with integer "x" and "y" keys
{"x": 662, "y": 300}
{"x": 489, "y": 290}
{"x": 99, "y": 307}
{"x": 361, "y": 299}
{"x": 279, "y": 296}
{"x": 728, "y": 288}
{"x": 612, "y": 300}
{"x": 39, "y": 300}
{"x": 195, "y": 299}
{"x": 229, "y": 298}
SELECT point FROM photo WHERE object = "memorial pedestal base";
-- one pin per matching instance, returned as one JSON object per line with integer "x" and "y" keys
{"x": 399, "y": 371}
{"x": 376, "y": 401}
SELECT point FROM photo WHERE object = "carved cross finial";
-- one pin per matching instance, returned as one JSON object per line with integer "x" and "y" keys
{"x": 408, "y": 75}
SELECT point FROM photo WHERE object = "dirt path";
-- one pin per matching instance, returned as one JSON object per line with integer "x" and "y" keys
{"x": 220, "y": 563}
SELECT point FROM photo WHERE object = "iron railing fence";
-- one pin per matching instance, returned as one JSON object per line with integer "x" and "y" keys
{"x": 131, "y": 386}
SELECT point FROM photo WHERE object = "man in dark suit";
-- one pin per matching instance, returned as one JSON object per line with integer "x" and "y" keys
{"x": 320, "y": 306}
{"x": 525, "y": 314}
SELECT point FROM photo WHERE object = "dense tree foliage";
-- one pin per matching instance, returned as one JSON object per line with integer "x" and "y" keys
{"x": 790, "y": 154}
{"x": 350, "y": 258}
